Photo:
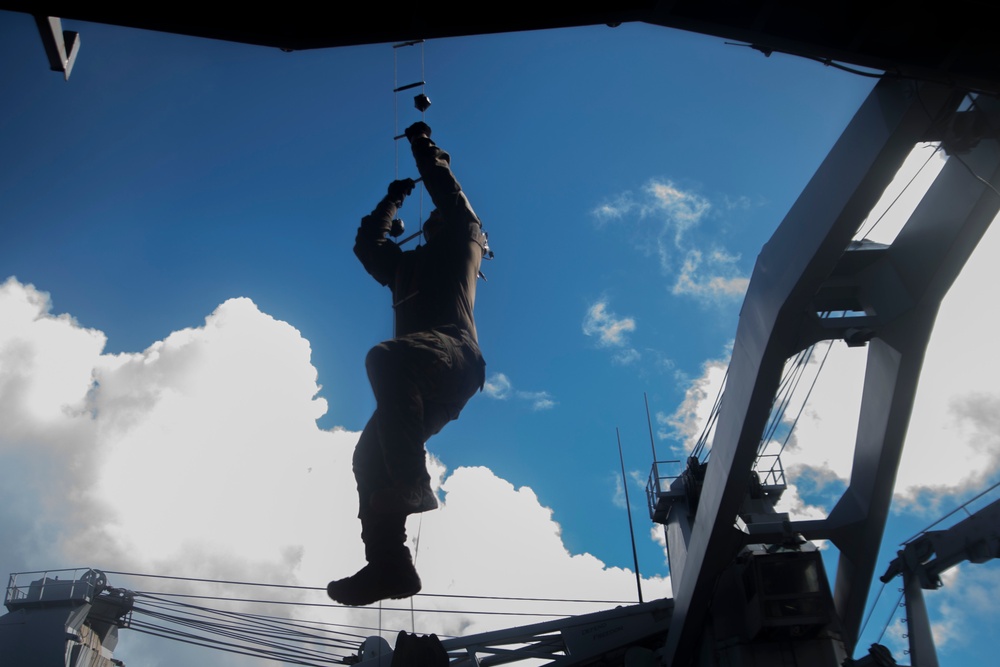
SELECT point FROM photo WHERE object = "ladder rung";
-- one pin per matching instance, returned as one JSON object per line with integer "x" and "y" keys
{"x": 408, "y": 86}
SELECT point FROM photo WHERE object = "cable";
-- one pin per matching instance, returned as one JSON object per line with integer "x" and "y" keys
{"x": 802, "y": 407}
{"x": 271, "y": 622}
{"x": 181, "y": 617}
{"x": 712, "y": 418}
{"x": 871, "y": 611}
{"x": 894, "y": 608}
{"x": 275, "y": 635}
{"x": 213, "y": 581}
{"x": 901, "y": 192}
{"x": 957, "y": 509}
{"x": 245, "y": 633}
{"x": 165, "y": 633}
{"x": 334, "y": 606}
{"x": 975, "y": 175}
{"x": 317, "y": 588}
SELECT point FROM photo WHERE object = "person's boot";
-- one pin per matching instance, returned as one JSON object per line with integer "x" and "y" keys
{"x": 378, "y": 580}
{"x": 404, "y": 499}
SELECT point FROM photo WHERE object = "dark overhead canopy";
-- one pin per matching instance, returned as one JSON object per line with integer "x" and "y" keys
{"x": 952, "y": 42}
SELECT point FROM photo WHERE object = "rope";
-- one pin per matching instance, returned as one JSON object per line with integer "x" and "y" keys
{"x": 396, "y": 89}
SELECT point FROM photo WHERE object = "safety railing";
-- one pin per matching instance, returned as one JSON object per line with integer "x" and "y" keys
{"x": 771, "y": 472}
{"x": 47, "y": 586}
{"x": 658, "y": 486}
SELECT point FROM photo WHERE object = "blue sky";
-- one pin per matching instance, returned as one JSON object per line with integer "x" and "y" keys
{"x": 627, "y": 177}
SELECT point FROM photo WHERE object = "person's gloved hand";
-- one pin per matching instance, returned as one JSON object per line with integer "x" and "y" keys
{"x": 418, "y": 129}
{"x": 399, "y": 190}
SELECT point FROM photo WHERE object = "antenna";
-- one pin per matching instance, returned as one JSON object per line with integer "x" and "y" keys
{"x": 652, "y": 443}
{"x": 628, "y": 507}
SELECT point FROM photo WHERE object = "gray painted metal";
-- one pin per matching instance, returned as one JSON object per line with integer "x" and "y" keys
{"x": 923, "y": 559}
{"x": 898, "y": 288}
{"x": 907, "y": 39}
{"x": 919, "y": 635}
{"x": 576, "y": 640}
{"x": 69, "y": 622}
{"x": 61, "y": 46}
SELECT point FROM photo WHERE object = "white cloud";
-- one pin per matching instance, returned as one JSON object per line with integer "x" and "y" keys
{"x": 688, "y": 421}
{"x": 677, "y": 209}
{"x": 540, "y": 400}
{"x": 637, "y": 480}
{"x": 618, "y": 498}
{"x": 500, "y": 387}
{"x": 710, "y": 276}
{"x": 608, "y": 327}
{"x": 684, "y": 209}
{"x": 497, "y": 386}
{"x": 626, "y": 357}
{"x": 615, "y": 209}
{"x": 200, "y": 457}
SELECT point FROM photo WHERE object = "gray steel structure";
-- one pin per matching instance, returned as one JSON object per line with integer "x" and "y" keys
{"x": 892, "y": 293}
{"x": 956, "y": 45}
{"x": 924, "y": 558}
{"x": 68, "y": 622}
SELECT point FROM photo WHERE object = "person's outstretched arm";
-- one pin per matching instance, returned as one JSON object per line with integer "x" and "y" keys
{"x": 434, "y": 166}
{"x": 377, "y": 253}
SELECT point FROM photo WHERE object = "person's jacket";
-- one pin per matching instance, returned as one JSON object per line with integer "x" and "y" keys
{"x": 433, "y": 285}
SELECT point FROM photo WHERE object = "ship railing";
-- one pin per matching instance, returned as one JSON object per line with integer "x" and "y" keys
{"x": 43, "y": 586}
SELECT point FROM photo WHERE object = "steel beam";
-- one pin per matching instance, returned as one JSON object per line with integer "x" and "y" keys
{"x": 791, "y": 268}
{"x": 61, "y": 46}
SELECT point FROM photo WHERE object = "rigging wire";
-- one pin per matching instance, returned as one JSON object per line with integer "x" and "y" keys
{"x": 258, "y": 635}
{"x": 214, "y": 645}
{"x": 336, "y": 606}
{"x": 954, "y": 511}
{"x": 248, "y": 637}
{"x": 295, "y": 642}
{"x": 795, "y": 422}
{"x": 901, "y": 193}
{"x": 267, "y": 637}
{"x": 396, "y": 89}
{"x": 891, "y": 614}
{"x": 871, "y": 611}
{"x": 779, "y": 405}
{"x": 274, "y": 622}
{"x": 712, "y": 418}
{"x": 316, "y": 588}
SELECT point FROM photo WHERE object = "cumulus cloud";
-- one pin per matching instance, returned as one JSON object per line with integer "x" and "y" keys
{"x": 200, "y": 457}
{"x": 686, "y": 424}
{"x": 499, "y": 386}
{"x": 953, "y": 441}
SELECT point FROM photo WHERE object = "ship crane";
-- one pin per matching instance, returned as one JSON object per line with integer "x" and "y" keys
{"x": 924, "y": 558}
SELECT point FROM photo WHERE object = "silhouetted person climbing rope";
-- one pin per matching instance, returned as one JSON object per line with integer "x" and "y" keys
{"x": 424, "y": 376}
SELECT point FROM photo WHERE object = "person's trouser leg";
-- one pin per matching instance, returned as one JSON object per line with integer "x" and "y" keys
{"x": 421, "y": 382}
{"x": 389, "y": 572}
{"x": 384, "y": 535}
